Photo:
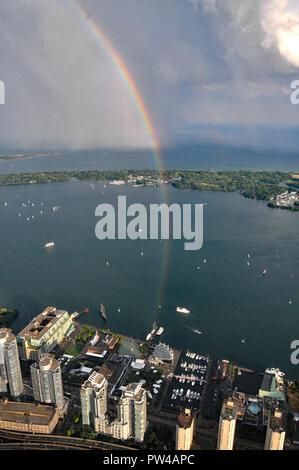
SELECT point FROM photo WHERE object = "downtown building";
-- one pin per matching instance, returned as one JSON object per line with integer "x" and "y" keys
{"x": 185, "y": 430}
{"x": 129, "y": 419}
{"x": 93, "y": 395}
{"x": 276, "y": 430}
{"x": 10, "y": 371}
{"x": 27, "y": 417}
{"x": 227, "y": 425}
{"x": 47, "y": 381}
{"x": 43, "y": 333}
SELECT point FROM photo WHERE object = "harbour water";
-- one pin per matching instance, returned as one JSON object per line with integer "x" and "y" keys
{"x": 243, "y": 315}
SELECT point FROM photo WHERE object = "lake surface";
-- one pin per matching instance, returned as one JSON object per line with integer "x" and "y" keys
{"x": 188, "y": 156}
{"x": 229, "y": 300}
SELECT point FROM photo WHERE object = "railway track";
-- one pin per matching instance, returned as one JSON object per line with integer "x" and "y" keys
{"x": 37, "y": 446}
{"x": 63, "y": 441}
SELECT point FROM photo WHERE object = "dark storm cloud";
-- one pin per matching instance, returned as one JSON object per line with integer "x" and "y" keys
{"x": 195, "y": 62}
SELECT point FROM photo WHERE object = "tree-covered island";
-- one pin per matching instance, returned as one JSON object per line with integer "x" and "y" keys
{"x": 7, "y": 317}
{"x": 260, "y": 185}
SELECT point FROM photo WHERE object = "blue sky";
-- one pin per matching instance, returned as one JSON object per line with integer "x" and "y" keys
{"x": 201, "y": 66}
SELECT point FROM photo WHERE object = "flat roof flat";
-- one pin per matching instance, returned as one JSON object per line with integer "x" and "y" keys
{"x": 42, "y": 323}
{"x": 26, "y": 413}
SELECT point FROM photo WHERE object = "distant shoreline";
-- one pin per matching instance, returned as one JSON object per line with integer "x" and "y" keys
{"x": 260, "y": 185}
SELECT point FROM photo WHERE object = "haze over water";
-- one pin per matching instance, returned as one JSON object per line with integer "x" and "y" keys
{"x": 229, "y": 300}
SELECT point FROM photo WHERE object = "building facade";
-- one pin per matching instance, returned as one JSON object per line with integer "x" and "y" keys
{"x": 275, "y": 435}
{"x": 93, "y": 395}
{"x": 132, "y": 406}
{"x": 47, "y": 381}
{"x": 43, "y": 333}
{"x": 185, "y": 430}
{"x": 10, "y": 371}
{"x": 27, "y": 417}
{"x": 227, "y": 425}
{"x": 130, "y": 420}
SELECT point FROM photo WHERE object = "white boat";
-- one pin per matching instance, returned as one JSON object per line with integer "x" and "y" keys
{"x": 160, "y": 331}
{"x": 47, "y": 245}
{"x": 117, "y": 182}
{"x": 182, "y": 310}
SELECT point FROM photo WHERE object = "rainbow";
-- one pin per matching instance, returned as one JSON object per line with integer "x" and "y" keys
{"x": 106, "y": 45}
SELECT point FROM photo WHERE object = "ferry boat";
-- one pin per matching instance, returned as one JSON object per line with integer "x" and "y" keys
{"x": 155, "y": 332}
{"x": 152, "y": 334}
{"x": 47, "y": 245}
{"x": 160, "y": 331}
{"x": 182, "y": 310}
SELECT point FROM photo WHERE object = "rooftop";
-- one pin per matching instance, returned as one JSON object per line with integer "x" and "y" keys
{"x": 26, "y": 413}
{"x": 111, "y": 371}
{"x": 229, "y": 409}
{"x": 277, "y": 421}
{"x": 48, "y": 362}
{"x": 134, "y": 390}
{"x": 98, "y": 351}
{"x": 109, "y": 340}
{"x": 163, "y": 352}
{"x": 6, "y": 336}
{"x": 42, "y": 323}
{"x": 247, "y": 382}
{"x": 94, "y": 381}
{"x": 273, "y": 386}
{"x": 185, "y": 419}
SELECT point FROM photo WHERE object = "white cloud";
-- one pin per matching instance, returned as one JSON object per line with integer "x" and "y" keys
{"x": 280, "y": 21}
{"x": 223, "y": 61}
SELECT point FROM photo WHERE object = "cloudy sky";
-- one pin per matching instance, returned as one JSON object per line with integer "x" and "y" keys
{"x": 212, "y": 70}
